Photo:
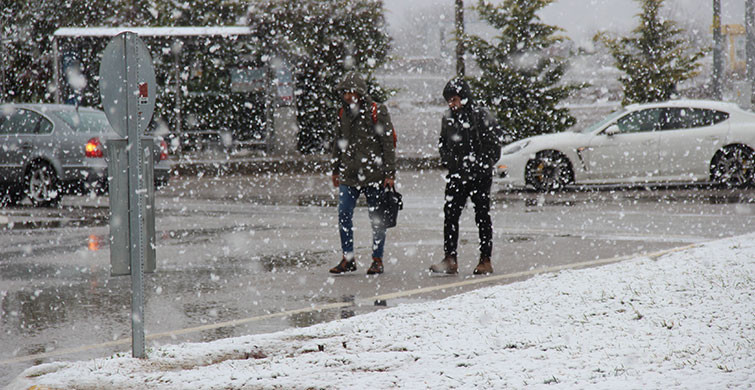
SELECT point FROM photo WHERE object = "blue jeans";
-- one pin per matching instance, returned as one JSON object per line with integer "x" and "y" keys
{"x": 347, "y": 200}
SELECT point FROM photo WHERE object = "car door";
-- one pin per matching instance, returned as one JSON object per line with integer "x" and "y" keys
{"x": 6, "y": 148}
{"x": 630, "y": 153}
{"x": 688, "y": 140}
{"x": 17, "y": 132}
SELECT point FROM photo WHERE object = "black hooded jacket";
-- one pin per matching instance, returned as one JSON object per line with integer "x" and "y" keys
{"x": 470, "y": 138}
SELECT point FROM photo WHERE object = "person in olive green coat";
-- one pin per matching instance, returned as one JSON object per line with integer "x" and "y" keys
{"x": 364, "y": 161}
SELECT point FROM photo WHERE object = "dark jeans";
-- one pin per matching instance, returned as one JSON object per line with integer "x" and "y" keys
{"x": 347, "y": 200}
{"x": 458, "y": 189}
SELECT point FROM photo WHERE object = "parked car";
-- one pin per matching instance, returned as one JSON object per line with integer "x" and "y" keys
{"x": 47, "y": 150}
{"x": 684, "y": 141}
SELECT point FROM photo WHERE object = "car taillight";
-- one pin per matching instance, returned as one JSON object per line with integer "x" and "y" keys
{"x": 93, "y": 148}
{"x": 163, "y": 150}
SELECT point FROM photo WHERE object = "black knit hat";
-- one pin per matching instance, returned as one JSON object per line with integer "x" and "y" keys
{"x": 457, "y": 86}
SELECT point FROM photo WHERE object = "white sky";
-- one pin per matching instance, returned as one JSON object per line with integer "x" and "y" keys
{"x": 582, "y": 18}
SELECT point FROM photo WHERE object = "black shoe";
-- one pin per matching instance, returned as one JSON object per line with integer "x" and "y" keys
{"x": 344, "y": 266}
{"x": 376, "y": 267}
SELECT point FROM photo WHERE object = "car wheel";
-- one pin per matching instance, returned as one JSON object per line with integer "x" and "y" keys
{"x": 549, "y": 171}
{"x": 733, "y": 166}
{"x": 11, "y": 196}
{"x": 42, "y": 185}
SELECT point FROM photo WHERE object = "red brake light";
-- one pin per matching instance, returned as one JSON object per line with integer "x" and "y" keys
{"x": 93, "y": 148}
{"x": 163, "y": 150}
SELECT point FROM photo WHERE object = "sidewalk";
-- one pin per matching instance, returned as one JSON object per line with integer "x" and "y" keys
{"x": 218, "y": 162}
{"x": 678, "y": 319}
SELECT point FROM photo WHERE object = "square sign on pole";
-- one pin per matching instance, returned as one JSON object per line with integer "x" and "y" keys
{"x": 127, "y": 88}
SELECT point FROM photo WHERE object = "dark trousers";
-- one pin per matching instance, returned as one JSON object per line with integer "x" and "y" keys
{"x": 458, "y": 189}
{"x": 347, "y": 201}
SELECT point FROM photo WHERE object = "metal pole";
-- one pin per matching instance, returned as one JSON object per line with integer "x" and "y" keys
{"x": 136, "y": 203}
{"x": 177, "y": 49}
{"x": 750, "y": 45}
{"x": 56, "y": 70}
{"x": 2, "y": 66}
{"x": 717, "y": 51}
{"x": 460, "y": 38}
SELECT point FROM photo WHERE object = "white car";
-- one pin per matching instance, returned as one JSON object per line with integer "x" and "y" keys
{"x": 683, "y": 141}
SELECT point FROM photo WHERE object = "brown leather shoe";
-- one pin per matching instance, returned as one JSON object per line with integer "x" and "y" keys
{"x": 376, "y": 267}
{"x": 344, "y": 266}
{"x": 449, "y": 265}
{"x": 484, "y": 267}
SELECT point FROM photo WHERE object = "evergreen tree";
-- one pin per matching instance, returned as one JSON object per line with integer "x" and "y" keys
{"x": 655, "y": 58}
{"x": 193, "y": 13}
{"x": 323, "y": 40}
{"x": 521, "y": 80}
{"x": 26, "y": 28}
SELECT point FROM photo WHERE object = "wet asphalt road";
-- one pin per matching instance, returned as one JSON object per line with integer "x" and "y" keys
{"x": 256, "y": 250}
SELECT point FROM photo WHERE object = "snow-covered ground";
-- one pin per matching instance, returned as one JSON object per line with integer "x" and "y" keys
{"x": 685, "y": 319}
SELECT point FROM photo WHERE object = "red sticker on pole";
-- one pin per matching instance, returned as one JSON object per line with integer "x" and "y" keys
{"x": 143, "y": 93}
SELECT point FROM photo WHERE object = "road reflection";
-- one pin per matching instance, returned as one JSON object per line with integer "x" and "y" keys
{"x": 94, "y": 243}
{"x": 29, "y": 311}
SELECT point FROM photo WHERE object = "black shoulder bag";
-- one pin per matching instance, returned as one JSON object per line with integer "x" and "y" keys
{"x": 390, "y": 204}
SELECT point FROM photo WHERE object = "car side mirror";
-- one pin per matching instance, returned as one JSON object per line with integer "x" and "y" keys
{"x": 611, "y": 130}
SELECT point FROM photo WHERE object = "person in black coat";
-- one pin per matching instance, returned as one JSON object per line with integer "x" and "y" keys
{"x": 470, "y": 144}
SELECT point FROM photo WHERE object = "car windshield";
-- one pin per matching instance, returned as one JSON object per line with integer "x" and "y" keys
{"x": 85, "y": 121}
{"x": 602, "y": 122}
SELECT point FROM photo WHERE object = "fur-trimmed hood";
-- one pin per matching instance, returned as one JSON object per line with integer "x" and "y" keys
{"x": 352, "y": 82}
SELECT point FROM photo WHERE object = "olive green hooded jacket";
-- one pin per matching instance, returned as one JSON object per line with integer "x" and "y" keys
{"x": 363, "y": 149}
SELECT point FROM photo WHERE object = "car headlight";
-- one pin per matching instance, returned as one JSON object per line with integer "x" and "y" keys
{"x": 515, "y": 147}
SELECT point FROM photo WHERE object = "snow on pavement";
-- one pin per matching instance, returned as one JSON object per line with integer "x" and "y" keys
{"x": 683, "y": 320}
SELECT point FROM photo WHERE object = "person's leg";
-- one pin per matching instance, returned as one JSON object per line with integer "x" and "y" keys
{"x": 456, "y": 197}
{"x": 347, "y": 200}
{"x": 373, "y": 194}
{"x": 481, "y": 198}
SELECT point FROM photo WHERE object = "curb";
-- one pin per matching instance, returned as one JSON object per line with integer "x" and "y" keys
{"x": 300, "y": 164}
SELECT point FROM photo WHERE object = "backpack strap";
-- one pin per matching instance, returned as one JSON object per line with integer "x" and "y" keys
{"x": 395, "y": 138}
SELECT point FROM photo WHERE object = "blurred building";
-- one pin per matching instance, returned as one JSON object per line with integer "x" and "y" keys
{"x": 735, "y": 52}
